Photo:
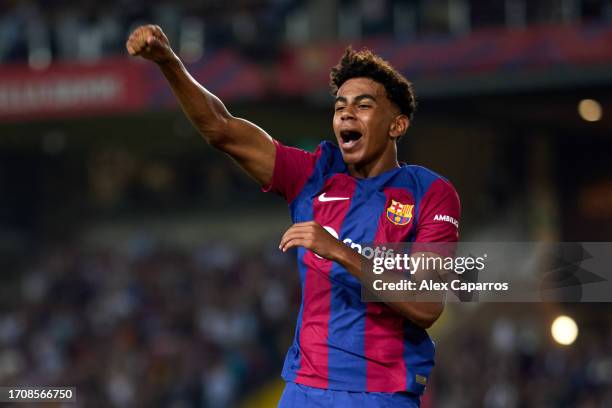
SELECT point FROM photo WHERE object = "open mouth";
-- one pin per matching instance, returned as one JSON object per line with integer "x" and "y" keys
{"x": 349, "y": 138}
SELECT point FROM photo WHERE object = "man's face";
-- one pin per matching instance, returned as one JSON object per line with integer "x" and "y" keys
{"x": 363, "y": 116}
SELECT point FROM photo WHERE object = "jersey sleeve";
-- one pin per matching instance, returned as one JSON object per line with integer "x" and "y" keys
{"x": 439, "y": 214}
{"x": 292, "y": 168}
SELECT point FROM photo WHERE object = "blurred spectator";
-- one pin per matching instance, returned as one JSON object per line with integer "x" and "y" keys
{"x": 509, "y": 361}
{"x": 155, "y": 327}
{"x": 38, "y": 32}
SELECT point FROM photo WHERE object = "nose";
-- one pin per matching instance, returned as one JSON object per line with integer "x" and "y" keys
{"x": 347, "y": 114}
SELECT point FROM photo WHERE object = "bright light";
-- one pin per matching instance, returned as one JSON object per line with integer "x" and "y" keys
{"x": 564, "y": 330}
{"x": 590, "y": 110}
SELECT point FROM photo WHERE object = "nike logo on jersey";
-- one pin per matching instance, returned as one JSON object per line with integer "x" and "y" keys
{"x": 323, "y": 198}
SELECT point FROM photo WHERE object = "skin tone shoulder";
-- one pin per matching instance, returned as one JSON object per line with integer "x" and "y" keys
{"x": 366, "y": 125}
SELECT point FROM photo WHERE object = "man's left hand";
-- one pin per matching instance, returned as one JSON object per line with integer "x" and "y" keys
{"x": 312, "y": 236}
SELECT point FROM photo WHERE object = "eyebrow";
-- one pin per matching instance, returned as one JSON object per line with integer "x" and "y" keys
{"x": 358, "y": 98}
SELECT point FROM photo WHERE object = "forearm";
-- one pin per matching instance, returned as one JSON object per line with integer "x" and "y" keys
{"x": 312, "y": 236}
{"x": 423, "y": 314}
{"x": 204, "y": 109}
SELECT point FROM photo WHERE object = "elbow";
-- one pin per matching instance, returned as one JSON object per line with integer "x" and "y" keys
{"x": 216, "y": 132}
{"x": 425, "y": 323}
{"x": 426, "y": 318}
{"x": 215, "y": 138}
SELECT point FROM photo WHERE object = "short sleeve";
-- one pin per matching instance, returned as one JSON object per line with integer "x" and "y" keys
{"x": 439, "y": 214}
{"x": 292, "y": 168}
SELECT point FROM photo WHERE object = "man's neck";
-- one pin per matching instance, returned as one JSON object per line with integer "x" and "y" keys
{"x": 384, "y": 163}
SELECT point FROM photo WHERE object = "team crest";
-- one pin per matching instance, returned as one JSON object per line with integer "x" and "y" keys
{"x": 398, "y": 213}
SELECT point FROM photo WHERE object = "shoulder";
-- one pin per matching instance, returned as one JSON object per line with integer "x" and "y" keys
{"x": 426, "y": 182}
{"x": 438, "y": 207}
{"x": 329, "y": 149}
{"x": 329, "y": 158}
{"x": 423, "y": 176}
{"x": 294, "y": 167}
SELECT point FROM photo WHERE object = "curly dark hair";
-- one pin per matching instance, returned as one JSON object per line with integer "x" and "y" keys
{"x": 364, "y": 63}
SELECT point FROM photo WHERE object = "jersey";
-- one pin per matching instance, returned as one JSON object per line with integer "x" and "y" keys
{"x": 340, "y": 342}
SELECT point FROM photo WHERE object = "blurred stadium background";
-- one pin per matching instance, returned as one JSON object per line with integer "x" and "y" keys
{"x": 139, "y": 265}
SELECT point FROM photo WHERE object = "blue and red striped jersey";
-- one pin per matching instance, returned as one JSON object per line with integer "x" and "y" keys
{"x": 341, "y": 342}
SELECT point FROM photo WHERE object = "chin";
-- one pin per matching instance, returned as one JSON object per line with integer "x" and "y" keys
{"x": 352, "y": 158}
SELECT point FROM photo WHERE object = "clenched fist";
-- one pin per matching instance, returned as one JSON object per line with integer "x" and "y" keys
{"x": 150, "y": 42}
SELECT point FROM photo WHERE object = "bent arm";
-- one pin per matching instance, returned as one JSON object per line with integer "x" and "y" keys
{"x": 250, "y": 146}
{"x": 423, "y": 314}
{"x": 312, "y": 236}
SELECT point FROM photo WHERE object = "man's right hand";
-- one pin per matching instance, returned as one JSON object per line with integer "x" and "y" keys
{"x": 150, "y": 42}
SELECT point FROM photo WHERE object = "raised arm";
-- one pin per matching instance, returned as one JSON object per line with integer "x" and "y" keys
{"x": 248, "y": 144}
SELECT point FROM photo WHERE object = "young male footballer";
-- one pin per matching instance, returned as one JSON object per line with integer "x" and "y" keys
{"x": 346, "y": 353}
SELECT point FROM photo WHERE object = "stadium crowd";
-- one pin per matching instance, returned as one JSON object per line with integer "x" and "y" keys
{"x": 158, "y": 325}
{"x": 149, "y": 326}
{"x": 39, "y": 32}
{"x": 504, "y": 357}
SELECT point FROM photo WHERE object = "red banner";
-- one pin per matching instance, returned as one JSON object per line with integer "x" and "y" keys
{"x": 71, "y": 89}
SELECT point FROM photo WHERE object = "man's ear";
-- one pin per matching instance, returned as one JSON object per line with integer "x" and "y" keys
{"x": 399, "y": 126}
